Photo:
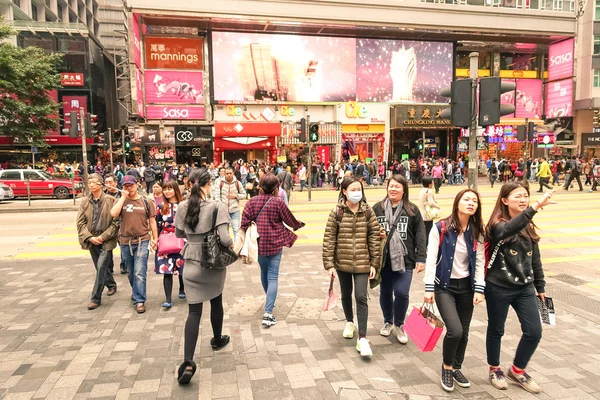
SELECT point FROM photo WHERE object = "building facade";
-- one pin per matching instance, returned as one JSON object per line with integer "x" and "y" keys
{"x": 368, "y": 75}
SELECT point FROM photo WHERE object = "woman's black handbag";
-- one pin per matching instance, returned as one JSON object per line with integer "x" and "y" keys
{"x": 214, "y": 254}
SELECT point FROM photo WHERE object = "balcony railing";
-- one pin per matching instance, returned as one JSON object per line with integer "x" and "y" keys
{"x": 35, "y": 26}
{"x": 548, "y": 5}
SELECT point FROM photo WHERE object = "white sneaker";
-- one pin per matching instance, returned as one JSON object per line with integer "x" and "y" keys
{"x": 386, "y": 330}
{"x": 349, "y": 330}
{"x": 401, "y": 335}
{"x": 363, "y": 347}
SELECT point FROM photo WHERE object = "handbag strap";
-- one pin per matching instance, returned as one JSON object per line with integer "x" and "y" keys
{"x": 495, "y": 253}
{"x": 261, "y": 210}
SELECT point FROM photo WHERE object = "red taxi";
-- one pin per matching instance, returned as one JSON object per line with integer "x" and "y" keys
{"x": 41, "y": 183}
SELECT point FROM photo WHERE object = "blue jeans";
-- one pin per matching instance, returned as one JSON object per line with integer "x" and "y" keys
{"x": 135, "y": 259}
{"x": 303, "y": 184}
{"x": 393, "y": 294}
{"x": 235, "y": 223}
{"x": 269, "y": 277}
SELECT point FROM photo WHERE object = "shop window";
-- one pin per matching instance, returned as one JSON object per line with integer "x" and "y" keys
{"x": 518, "y": 62}
{"x": 596, "y": 45}
{"x": 597, "y": 78}
{"x": 463, "y": 61}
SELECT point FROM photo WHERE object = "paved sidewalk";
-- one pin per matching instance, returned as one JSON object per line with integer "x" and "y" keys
{"x": 52, "y": 347}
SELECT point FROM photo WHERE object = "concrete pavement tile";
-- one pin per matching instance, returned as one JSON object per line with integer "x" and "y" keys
{"x": 62, "y": 394}
{"x": 145, "y": 386}
{"x": 104, "y": 390}
{"x": 220, "y": 391}
{"x": 27, "y": 385}
{"x": 69, "y": 381}
{"x": 261, "y": 373}
{"x": 264, "y": 388}
{"x": 19, "y": 396}
{"x": 132, "y": 369}
{"x": 343, "y": 385}
{"x": 41, "y": 372}
{"x": 86, "y": 386}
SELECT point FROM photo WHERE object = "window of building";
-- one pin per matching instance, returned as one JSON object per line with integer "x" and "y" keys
{"x": 61, "y": 10}
{"x": 17, "y": 3}
{"x": 34, "y": 12}
{"x": 597, "y": 13}
{"x": 596, "y": 45}
{"x": 597, "y": 78}
{"x": 463, "y": 61}
{"x": 518, "y": 62}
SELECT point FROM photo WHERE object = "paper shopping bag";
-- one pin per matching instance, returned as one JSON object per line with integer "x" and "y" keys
{"x": 546, "y": 309}
{"x": 424, "y": 328}
{"x": 331, "y": 299}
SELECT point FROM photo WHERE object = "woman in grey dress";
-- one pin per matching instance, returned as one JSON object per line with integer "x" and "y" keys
{"x": 194, "y": 220}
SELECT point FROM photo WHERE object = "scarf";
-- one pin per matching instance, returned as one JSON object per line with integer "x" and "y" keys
{"x": 396, "y": 247}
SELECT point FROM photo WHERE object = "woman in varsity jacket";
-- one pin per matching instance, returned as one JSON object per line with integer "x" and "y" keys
{"x": 454, "y": 277}
{"x": 514, "y": 275}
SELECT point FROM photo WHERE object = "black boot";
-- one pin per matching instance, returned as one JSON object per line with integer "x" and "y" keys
{"x": 218, "y": 344}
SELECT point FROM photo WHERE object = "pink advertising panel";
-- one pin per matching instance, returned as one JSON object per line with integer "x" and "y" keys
{"x": 560, "y": 60}
{"x": 559, "y": 99}
{"x": 137, "y": 43}
{"x": 173, "y": 87}
{"x": 175, "y": 112}
{"x": 139, "y": 84}
{"x": 528, "y": 98}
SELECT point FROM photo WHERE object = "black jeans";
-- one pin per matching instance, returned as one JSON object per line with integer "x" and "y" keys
{"x": 149, "y": 185}
{"x": 101, "y": 259}
{"x": 437, "y": 183}
{"x": 192, "y": 325}
{"x": 361, "y": 283}
{"x": 523, "y": 301}
{"x": 573, "y": 176}
{"x": 393, "y": 295}
{"x": 428, "y": 226}
{"x": 544, "y": 183}
{"x": 456, "y": 308}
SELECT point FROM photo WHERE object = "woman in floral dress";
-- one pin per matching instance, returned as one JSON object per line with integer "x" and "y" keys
{"x": 170, "y": 264}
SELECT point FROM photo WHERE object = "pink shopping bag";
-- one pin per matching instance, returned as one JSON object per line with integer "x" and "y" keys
{"x": 331, "y": 299}
{"x": 423, "y": 328}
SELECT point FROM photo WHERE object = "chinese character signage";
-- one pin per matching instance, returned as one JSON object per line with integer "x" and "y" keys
{"x": 250, "y": 67}
{"x": 174, "y": 53}
{"x": 559, "y": 98}
{"x": 419, "y": 116}
{"x": 560, "y": 60}
{"x": 68, "y": 79}
{"x": 174, "y": 87}
{"x": 73, "y": 103}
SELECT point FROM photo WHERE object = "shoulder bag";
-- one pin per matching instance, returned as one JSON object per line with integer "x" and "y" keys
{"x": 214, "y": 254}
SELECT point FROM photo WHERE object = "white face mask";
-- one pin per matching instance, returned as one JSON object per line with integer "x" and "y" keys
{"x": 355, "y": 197}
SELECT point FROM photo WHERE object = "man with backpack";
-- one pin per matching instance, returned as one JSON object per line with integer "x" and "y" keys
{"x": 137, "y": 234}
{"x": 229, "y": 192}
{"x": 574, "y": 167}
{"x": 286, "y": 180}
{"x": 149, "y": 178}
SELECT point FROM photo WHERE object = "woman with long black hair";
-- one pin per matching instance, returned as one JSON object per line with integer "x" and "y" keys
{"x": 454, "y": 277}
{"x": 196, "y": 218}
{"x": 513, "y": 277}
{"x": 169, "y": 264}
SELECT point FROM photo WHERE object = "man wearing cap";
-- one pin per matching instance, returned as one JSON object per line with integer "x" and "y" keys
{"x": 137, "y": 234}
{"x": 97, "y": 231}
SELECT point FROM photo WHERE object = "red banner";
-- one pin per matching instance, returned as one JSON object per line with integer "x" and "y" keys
{"x": 242, "y": 143}
{"x": 71, "y": 79}
{"x": 323, "y": 152}
{"x": 249, "y": 129}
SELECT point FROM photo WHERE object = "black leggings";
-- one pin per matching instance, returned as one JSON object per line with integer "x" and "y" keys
{"x": 168, "y": 285}
{"x": 192, "y": 325}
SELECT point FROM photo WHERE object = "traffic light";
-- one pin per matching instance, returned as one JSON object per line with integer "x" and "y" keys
{"x": 302, "y": 137}
{"x": 530, "y": 131}
{"x": 490, "y": 109}
{"x": 596, "y": 116}
{"x": 127, "y": 144}
{"x": 521, "y": 133}
{"x": 91, "y": 122}
{"x": 72, "y": 125}
{"x": 313, "y": 133}
{"x": 420, "y": 144}
{"x": 461, "y": 103}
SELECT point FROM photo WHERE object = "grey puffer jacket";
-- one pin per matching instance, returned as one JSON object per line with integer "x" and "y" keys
{"x": 351, "y": 242}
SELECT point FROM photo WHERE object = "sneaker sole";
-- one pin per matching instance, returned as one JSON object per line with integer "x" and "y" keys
{"x": 462, "y": 385}
{"x": 386, "y": 334}
{"x": 499, "y": 387}
{"x": 268, "y": 324}
{"x": 366, "y": 354}
{"x": 347, "y": 336}
{"x": 516, "y": 382}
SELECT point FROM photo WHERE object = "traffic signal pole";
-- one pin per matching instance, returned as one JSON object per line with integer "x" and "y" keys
{"x": 83, "y": 148}
{"x": 473, "y": 156}
{"x": 309, "y": 157}
{"x": 110, "y": 150}
{"x": 123, "y": 146}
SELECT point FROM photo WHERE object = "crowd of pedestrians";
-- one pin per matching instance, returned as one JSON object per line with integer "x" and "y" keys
{"x": 363, "y": 247}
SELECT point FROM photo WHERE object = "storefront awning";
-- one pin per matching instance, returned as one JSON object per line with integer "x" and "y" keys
{"x": 244, "y": 143}
{"x": 250, "y": 129}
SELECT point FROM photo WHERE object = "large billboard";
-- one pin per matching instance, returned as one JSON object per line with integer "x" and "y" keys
{"x": 560, "y": 60}
{"x": 248, "y": 67}
{"x": 174, "y": 53}
{"x": 173, "y": 87}
{"x": 527, "y": 98}
{"x": 559, "y": 99}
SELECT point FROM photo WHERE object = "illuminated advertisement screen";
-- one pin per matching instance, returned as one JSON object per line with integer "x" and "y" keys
{"x": 560, "y": 60}
{"x": 250, "y": 67}
{"x": 559, "y": 99}
{"x": 527, "y": 98}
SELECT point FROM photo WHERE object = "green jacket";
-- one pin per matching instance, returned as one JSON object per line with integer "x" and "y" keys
{"x": 109, "y": 226}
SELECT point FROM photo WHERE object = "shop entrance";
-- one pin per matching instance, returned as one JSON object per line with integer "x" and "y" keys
{"x": 196, "y": 155}
{"x": 407, "y": 144}
{"x": 235, "y": 155}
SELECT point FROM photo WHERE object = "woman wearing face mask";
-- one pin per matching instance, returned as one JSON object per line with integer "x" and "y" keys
{"x": 351, "y": 246}
{"x": 157, "y": 192}
{"x": 454, "y": 276}
{"x": 169, "y": 264}
{"x": 404, "y": 252}
{"x": 513, "y": 277}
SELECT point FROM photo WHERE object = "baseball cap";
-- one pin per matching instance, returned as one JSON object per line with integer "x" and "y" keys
{"x": 129, "y": 179}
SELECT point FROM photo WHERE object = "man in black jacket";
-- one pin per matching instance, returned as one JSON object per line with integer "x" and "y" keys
{"x": 574, "y": 167}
